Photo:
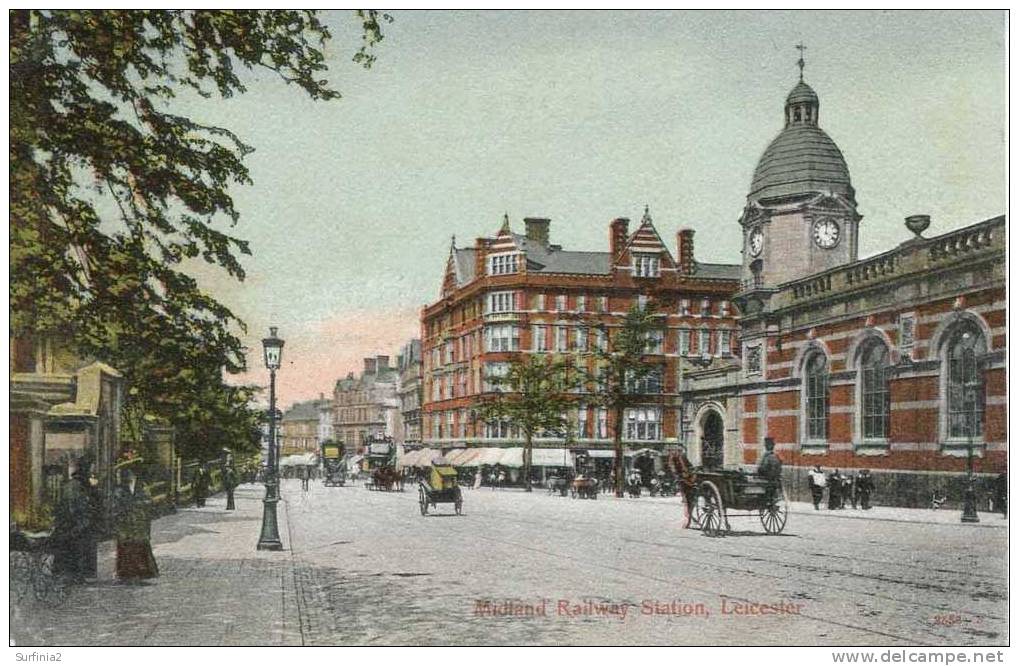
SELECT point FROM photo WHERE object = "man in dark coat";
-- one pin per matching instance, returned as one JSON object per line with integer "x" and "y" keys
{"x": 1001, "y": 494}
{"x": 864, "y": 487}
{"x": 770, "y": 468}
{"x": 74, "y": 533}
{"x": 200, "y": 486}
{"x": 834, "y": 491}
{"x": 229, "y": 484}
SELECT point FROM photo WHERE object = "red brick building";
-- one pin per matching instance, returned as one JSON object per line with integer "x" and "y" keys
{"x": 515, "y": 294}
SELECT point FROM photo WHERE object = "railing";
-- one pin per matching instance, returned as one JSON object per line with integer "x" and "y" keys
{"x": 812, "y": 287}
{"x": 961, "y": 243}
{"x": 879, "y": 267}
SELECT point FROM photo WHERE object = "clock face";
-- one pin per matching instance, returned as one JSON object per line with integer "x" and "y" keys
{"x": 826, "y": 233}
{"x": 755, "y": 242}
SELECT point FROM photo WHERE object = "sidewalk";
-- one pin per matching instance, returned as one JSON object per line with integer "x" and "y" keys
{"x": 214, "y": 588}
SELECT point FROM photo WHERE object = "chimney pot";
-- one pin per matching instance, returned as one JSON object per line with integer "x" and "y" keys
{"x": 369, "y": 366}
{"x": 684, "y": 251}
{"x": 383, "y": 363}
{"x": 537, "y": 229}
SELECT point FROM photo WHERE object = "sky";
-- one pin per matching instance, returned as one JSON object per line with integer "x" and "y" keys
{"x": 581, "y": 117}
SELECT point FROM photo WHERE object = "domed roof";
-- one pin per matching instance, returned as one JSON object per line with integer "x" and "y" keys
{"x": 802, "y": 159}
{"x": 801, "y": 93}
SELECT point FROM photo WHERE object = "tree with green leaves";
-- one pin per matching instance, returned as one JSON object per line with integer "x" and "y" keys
{"x": 533, "y": 396}
{"x": 621, "y": 366}
{"x": 112, "y": 193}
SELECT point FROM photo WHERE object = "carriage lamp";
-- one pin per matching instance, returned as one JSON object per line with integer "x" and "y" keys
{"x": 270, "y": 536}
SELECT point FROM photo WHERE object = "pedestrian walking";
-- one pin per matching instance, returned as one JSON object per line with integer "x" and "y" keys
{"x": 74, "y": 529}
{"x": 229, "y": 484}
{"x": 834, "y": 491}
{"x": 305, "y": 475}
{"x": 851, "y": 488}
{"x": 818, "y": 481}
{"x": 133, "y": 528}
{"x": 864, "y": 487}
{"x": 1001, "y": 494}
{"x": 770, "y": 469}
{"x": 200, "y": 485}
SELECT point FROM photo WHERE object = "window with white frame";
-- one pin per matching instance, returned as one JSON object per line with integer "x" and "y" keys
{"x": 580, "y": 338}
{"x": 645, "y": 265}
{"x": 449, "y": 424}
{"x": 684, "y": 341}
{"x": 560, "y": 303}
{"x": 538, "y": 338}
{"x": 436, "y": 426}
{"x": 436, "y": 389}
{"x": 815, "y": 388}
{"x": 603, "y": 304}
{"x": 500, "y": 301}
{"x": 704, "y": 342}
{"x": 644, "y": 423}
{"x": 493, "y": 373}
{"x": 539, "y": 302}
{"x": 462, "y": 424}
{"x": 655, "y": 341}
{"x": 450, "y": 357}
{"x": 582, "y": 421}
{"x": 600, "y": 339}
{"x": 602, "y": 423}
{"x": 502, "y": 338}
{"x": 725, "y": 342}
{"x": 502, "y": 264}
{"x": 874, "y": 379}
{"x": 705, "y": 307}
{"x": 561, "y": 338}
{"x": 649, "y": 383}
{"x": 581, "y": 302}
{"x": 723, "y": 308}
{"x": 642, "y": 301}
{"x": 448, "y": 380}
{"x": 684, "y": 306}
{"x": 964, "y": 350}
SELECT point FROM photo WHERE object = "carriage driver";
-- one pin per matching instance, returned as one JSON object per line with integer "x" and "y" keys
{"x": 770, "y": 468}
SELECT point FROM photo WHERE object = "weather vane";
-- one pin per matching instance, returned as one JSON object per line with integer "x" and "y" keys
{"x": 801, "y": 48}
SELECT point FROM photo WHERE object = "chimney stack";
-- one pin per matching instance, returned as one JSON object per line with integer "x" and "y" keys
{"x": 684, "y": 254}
{"x": 537, "y": 229}
{"x": 369, "y": 366}
{"x": 617, "y": 235}
{"x": 383, "y": 363}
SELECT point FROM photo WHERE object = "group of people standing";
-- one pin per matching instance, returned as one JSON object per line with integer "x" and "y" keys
{"x": 80, "y": 522}
{"x": 854, "y": 488}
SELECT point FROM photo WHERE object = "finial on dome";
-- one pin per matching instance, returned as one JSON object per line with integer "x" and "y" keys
{"x": 801, "y": 48}
{"x": 647, "y": 215}
{"x": 505, "y": 224}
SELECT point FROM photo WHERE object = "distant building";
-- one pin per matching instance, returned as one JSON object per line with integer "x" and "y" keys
{"x": 325, "y": 420}
{"x": 300, "y": 427}
{"x": 410, "y": 391}
{"x": 367, "y": 405}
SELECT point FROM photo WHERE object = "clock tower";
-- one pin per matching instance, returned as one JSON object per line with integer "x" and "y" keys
{"x": 800, "y": 217}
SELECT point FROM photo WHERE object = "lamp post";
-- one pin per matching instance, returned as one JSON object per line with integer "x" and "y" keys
{"x": 969, "y": 507}
{"x": 270, "y": 537}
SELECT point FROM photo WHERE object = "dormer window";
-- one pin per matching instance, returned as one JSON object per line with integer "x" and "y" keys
{"x": 502, "y": 264}
{"x": 645, "y": 265}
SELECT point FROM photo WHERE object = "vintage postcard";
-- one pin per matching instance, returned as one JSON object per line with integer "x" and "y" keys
{"x": 509, "y": 328}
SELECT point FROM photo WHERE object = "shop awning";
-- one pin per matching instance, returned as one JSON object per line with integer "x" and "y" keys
{"x": 600, "y": 453}
{"x": 469, "y": 458}
{"x": 453, "y": 456}
{"x": 512, "y": 457}
{"x": 551, "y": 458}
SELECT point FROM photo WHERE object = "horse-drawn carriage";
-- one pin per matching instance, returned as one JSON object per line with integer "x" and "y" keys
{"x": 380, "y": 464}
{"x": 718, "y": 493}
{"x": 333, "y": 464}
{"x": 440, "y": 487}
{"x": 584, "y": 487}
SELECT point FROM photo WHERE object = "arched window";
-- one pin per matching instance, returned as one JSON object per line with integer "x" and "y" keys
{"x": 874, "y": 394}
{"x": 965, "y": 347}
{"x": 815, "y": 380}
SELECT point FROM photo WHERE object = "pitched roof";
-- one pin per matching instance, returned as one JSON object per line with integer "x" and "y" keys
{"x": 303, "y": 411}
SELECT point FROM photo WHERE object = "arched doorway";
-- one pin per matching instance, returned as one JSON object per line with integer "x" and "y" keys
{"x": 712, "y": 440}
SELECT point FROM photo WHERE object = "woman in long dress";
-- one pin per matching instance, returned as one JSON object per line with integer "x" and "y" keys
{"x": 133, "y": 515}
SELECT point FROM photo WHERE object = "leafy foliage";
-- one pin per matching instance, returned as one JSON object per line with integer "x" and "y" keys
{"x": 112, "y": 193}
{"x": 619, "y": 367}
{"x": 532, "y": 396}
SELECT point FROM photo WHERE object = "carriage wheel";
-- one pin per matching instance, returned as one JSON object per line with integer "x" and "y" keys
{"x": 713, "y": 520}
{"x": 773, "y": 517}
{"x": 423, "y": 500}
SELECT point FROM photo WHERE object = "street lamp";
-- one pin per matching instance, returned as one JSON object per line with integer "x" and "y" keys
{"x": 270, "y": 537}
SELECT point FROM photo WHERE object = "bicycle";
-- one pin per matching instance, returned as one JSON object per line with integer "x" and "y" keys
{"x": 31, "y": 569}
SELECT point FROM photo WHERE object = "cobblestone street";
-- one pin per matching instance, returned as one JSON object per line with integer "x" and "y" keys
{"x": 365, "y": 567}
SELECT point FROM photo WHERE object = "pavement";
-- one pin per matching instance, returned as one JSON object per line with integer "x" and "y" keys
{"x": 365, "y": 568}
